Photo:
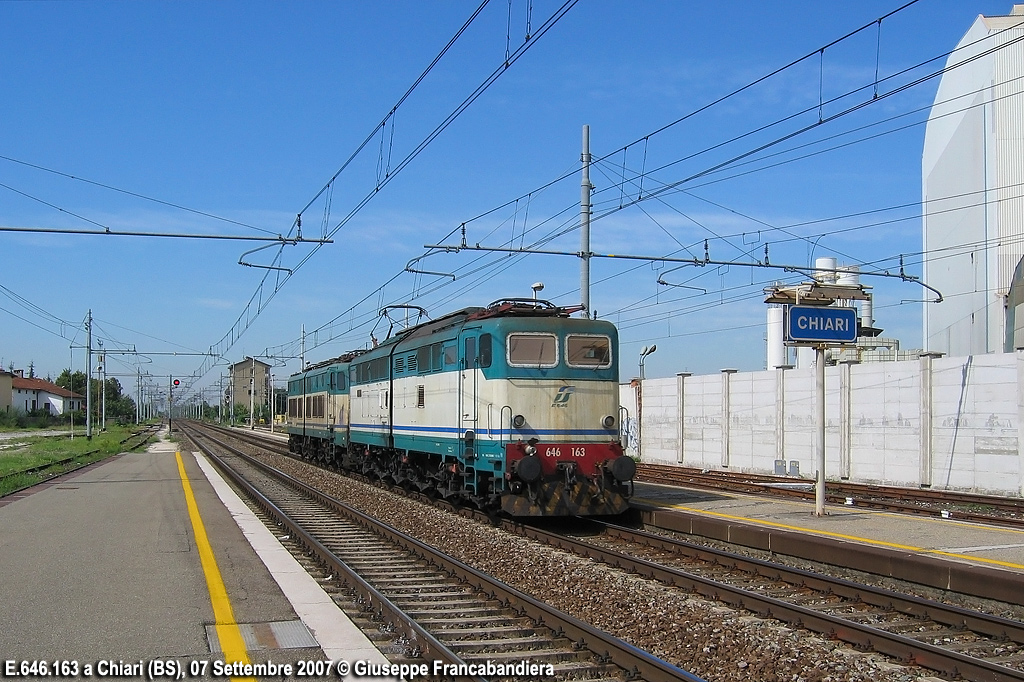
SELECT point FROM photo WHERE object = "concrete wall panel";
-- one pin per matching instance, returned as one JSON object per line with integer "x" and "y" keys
{"x": 974, "y": 412}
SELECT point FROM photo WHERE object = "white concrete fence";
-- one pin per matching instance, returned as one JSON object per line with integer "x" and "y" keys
{"x": 938, "y": 422}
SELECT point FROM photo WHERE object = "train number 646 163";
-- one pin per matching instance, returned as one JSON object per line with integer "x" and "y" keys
{"x": 557, "y": 452}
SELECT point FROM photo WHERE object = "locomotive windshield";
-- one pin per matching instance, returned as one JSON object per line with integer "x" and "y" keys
{"x": 532, "y": 350}
{"x": 588, "y": 351}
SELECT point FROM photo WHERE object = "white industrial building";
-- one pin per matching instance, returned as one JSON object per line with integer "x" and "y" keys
{"x": 973, "y": 184}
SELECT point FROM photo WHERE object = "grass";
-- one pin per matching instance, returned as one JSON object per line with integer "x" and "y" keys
{"x": 30, "y": 451}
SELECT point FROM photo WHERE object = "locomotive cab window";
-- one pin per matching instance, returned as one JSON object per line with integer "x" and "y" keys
{"x": 532, "y": 350}
{"x": 588, "y": 351}
{"x": 485, "y": 350}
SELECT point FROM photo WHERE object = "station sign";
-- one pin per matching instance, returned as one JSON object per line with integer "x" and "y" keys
{"x": 820, "y": 324}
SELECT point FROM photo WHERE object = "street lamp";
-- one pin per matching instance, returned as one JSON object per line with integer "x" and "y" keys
{"x": 643, "y": 355}
{"x": 537, "y": 287}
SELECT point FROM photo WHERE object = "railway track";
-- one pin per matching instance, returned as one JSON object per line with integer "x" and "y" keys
{"x": 948, "y": 639}
{"x": 940, "y": 503}
{"x": 951, "y": 640}
{"x": 446, "y": 610}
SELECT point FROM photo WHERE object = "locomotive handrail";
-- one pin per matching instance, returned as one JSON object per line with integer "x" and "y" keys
{"x": 622, "y": 425}
{"x": 501, "y": 424}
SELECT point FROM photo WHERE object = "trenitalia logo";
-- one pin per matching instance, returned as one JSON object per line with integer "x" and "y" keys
{"x": 563, "y": 395}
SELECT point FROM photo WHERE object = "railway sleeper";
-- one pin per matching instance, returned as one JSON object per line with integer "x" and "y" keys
{"x": 481, "y": 621}
{"x": 493, "y": 611}
{"x": 519, "y": 630}
{"x": 392, "y": 582}
{"x": 431, "y": 597}
{"x": 928, "y": 630}
{"x": 1008, "y": 661}
{"x": 371, "y": 568}
{"x": 355, "y": 553}
{"x": 567, "y": 655}
{"x": 965, "y": 645}
{"x": 436, "y": 591}
{"x": 486, "y": 645}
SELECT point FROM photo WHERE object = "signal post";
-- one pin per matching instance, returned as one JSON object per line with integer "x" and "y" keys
{"x": 813, "y": 318}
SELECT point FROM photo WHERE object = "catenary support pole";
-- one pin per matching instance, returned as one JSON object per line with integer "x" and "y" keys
{"x": 252, "y": 395}
{"x": 819, "y": 396}
{"x": 585, "y": 189}
{"x": 170, "y": 402}
{"x": 88, "y": 376}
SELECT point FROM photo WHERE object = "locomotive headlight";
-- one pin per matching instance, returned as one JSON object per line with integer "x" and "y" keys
{"x": 608, "y": 421}
{"x": 518, "y": 421}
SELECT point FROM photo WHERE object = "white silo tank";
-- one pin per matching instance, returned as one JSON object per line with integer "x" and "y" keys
{"x": 867, "y": 318}
{"x": 777, "y": 352}
{"x": 824, "y": 268}
{"x": 848, "y": 276}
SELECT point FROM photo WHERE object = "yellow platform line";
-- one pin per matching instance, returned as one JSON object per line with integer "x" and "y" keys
{"x": 228, "y": 632}
{"x": 854, "y": 538}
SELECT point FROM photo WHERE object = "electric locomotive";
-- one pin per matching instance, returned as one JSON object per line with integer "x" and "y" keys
{"x": 512, "y": 407}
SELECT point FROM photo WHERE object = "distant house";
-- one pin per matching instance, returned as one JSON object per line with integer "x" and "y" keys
{"x": 250, "y": 377}
{"x": 6, "y": 391}
{"x": 38, "y": 394}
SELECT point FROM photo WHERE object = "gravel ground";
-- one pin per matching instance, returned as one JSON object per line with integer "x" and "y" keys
{"x": 708, "y": 639}
{"x": 10, "y": 435}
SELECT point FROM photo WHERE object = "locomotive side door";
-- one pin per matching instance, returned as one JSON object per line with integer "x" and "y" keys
{"x": 468, "y": 383}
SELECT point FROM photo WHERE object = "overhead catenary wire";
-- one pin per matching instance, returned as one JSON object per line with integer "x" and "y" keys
{"x": 646, "y": 174}
{"x": 249, "y": 314}
{"x": 137, "y": 195}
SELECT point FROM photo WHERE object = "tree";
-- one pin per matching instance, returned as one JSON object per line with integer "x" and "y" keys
{"x": 118, "y": 405}
{"x": 72, "y": 381}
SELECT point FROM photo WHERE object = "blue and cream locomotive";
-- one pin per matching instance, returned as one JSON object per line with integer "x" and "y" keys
{"x": 512, "y": 407}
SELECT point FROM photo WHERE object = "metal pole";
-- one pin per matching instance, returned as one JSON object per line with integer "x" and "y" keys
{"x": 88, "y": 376}
{"x": 170, "y": 401}
{"x": 585, "y": 189}
{"x": 103, "y": 391}
{"x": 819, "y": 390}
{"x": 273, "y": 407}
{"x": 252, "y": 394}
{"x": 71, "y": 387}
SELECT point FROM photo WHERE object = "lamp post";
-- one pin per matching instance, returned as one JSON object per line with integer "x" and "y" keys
{"x": 537, "y": 287}
{"x": 640, "y": 399}
{"x": 643, "y": 356}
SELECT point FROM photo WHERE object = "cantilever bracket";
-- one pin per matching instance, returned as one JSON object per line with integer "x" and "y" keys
{"x": 410, "y": 268}
{"x": 662, "y": 281}
{"x": 282, "y": 241}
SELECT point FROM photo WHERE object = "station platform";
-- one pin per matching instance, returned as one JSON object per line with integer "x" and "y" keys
{"x": 972, "y": 558}
{"x": 151, "y": 557}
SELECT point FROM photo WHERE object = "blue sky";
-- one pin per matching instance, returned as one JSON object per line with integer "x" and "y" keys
{"x": 242, "y": 112}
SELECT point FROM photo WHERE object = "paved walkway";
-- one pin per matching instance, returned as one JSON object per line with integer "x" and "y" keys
{"x": 113, "y": 564}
